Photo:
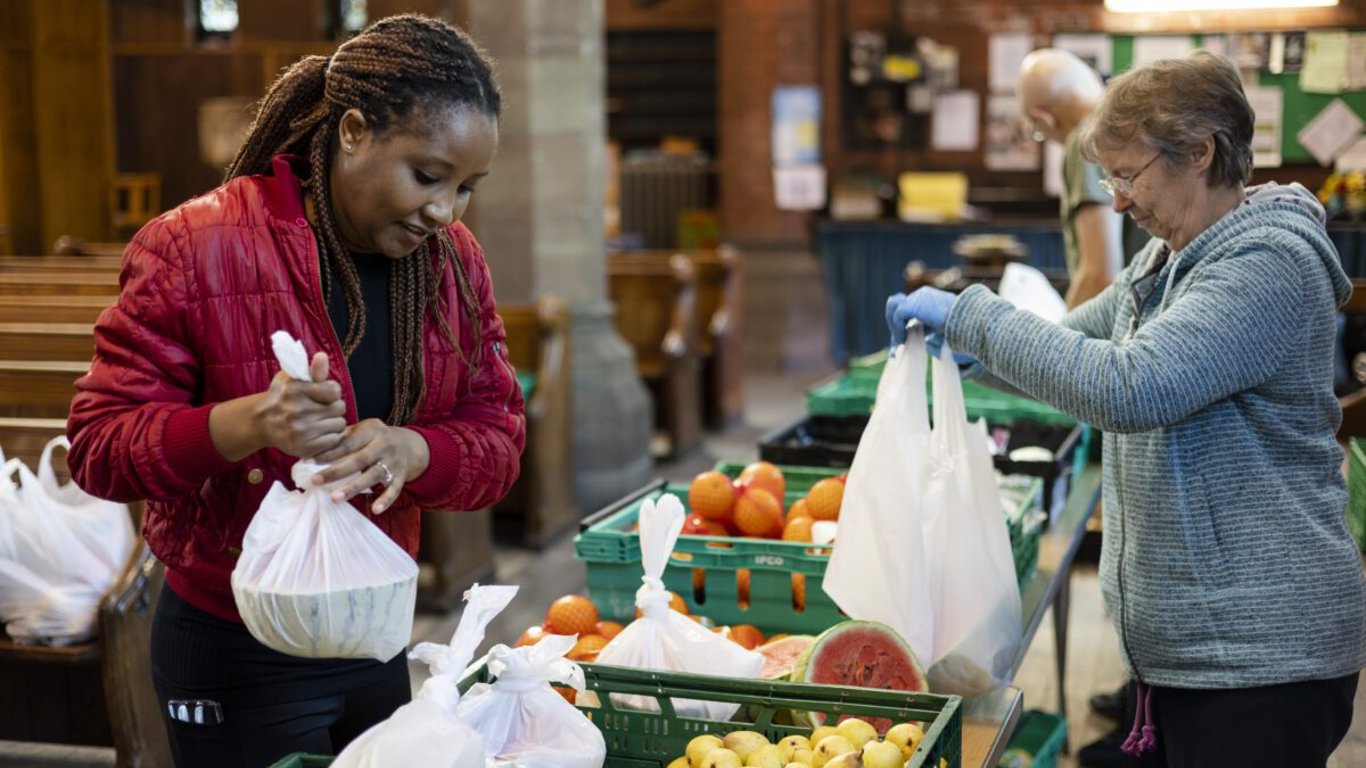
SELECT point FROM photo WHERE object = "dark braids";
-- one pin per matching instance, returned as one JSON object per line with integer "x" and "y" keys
{"x": 396, "y": 67}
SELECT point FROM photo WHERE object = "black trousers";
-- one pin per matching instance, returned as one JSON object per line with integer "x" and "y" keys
{"x": 230, "y": 702}
{"x": 1295, "y": 725}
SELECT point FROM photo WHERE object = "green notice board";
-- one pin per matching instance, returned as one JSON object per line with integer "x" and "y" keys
{"x": 1299, "y": 107}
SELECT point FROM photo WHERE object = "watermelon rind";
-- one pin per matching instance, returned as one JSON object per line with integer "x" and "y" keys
{"x": 812, "y": 657}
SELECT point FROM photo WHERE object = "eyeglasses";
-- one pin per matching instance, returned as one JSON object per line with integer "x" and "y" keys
{"x": 1124, "y": 185}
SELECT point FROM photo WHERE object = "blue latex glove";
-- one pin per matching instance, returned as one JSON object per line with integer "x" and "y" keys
{"x": 934, "y": 344}
{"x": 930, "y": 306}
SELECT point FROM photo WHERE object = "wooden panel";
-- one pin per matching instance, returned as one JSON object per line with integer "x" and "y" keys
{"x": 676, "y": 14}
{"x": 53, "y": 309}
{"x": 41, "y": 390}
{"x": 274, "y": 20}
{"x": 47, "y": 341}
{"x": 74, "y": 123}
{"x": 60, "y": 263}
{"x": 151, "y": 21}
{"x": 58, "y": 283}
{"x": 20, "y": 212}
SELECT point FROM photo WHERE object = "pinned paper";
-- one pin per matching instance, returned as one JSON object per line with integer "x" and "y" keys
{"x": 1150, "y": 48}
{"x": 956, "y": 115}
{"x": 1266, "y": 102}
{"x": 1007, "y": 147}
{"x": 1095, "y": 50}
{"x": 1356, "y": 62}
{"x": 1325, "y": 62}
{"x": 799, "y": 187}
{"x": 1007, "y": 53}
{"x": 1330, "y": 132}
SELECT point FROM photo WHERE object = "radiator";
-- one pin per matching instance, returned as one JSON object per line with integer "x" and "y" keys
{"x": 655, "y": 190}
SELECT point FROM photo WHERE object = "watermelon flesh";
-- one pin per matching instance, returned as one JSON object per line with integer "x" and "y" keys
{"x": 780, "y": 656}
{"x": 866, "y": 654}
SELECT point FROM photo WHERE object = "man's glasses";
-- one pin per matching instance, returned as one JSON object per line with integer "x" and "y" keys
{"x": 1124, "y": 185}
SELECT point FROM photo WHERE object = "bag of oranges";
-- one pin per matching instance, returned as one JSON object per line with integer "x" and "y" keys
{"x": 666, "y": 639}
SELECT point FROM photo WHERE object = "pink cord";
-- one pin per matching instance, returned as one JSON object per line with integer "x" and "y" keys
{"x": 1137, "y": 744}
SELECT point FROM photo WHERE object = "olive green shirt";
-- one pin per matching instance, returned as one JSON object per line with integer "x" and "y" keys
{"x": 1080, "y": 185}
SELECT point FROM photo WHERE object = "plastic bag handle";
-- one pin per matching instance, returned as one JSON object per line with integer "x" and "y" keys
{"x": 46, "y": 477}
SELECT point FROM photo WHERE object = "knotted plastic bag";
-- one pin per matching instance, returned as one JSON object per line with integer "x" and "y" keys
{"x": 666, "y": 639}
{"x": 523, "y": 721}
{"x": 315, "y": 577}
{"x": 60, "y": 551}
{"x": 428, "y": 731}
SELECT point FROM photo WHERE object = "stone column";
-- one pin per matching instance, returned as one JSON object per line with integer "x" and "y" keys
{"x": 539, "y": 217}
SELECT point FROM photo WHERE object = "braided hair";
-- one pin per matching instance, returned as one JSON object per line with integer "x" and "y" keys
{"x": 397, "y": 66}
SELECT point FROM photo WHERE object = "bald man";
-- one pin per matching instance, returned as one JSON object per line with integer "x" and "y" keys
{"x": 1057, "y": 92}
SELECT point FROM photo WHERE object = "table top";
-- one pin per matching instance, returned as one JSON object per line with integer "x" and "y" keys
{"x": 989, "y": 720}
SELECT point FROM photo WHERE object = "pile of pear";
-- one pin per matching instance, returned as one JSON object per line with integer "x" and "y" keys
{"x": 853, "y": 743}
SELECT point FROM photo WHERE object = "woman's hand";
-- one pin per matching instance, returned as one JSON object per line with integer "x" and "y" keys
{"x": 381, "y": 454}
{"x": 301, "y": 418}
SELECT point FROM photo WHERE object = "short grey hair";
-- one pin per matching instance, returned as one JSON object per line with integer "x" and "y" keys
{"x": 1173, "y": 106}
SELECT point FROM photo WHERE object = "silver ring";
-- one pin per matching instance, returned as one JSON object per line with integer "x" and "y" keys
{"x": 388, "y": 476}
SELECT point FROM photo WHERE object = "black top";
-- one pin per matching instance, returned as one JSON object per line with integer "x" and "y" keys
{"x": 372, "y": 364}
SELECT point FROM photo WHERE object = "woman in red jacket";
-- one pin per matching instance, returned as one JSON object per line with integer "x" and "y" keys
{"x": 339, "y": 223}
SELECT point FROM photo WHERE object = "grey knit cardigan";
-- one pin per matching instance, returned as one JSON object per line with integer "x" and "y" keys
{"x": 1226, "y": 562}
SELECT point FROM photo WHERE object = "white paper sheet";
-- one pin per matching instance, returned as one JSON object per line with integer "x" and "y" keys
{"x": 1325, "y": 62}
{"x": 799, "y": 187}
{"x": 1150, "y": 48}
{"x": 1267, "y": 105}
{"x": 1353, "y": 158}
{"x": 1096, "y": 50}
{"x": 956, "y": 117}
{"x": 1330, "y": 132}
{"x": 1007, "y": 53}
{"x": 1007, "y": 148}
{"x": 1356, "y": 62}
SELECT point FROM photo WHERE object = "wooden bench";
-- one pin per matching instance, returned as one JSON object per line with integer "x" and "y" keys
{"x": 99, "y": 692}
{"x": 542, "y": 504}
{"x": 47, "y": 341}
{"x": 64, "y": 264}
{"x": 53, "y": 309}
{"x": 38, "y": 388}
{"x": 655, "y": 294}
{"x": 67, "y": 245}
{"x": 58, "y": 283}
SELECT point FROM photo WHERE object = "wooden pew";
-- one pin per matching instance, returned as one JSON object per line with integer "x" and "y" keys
{"x": 542, "y": 504}
{"x": 67, "y": 245}
{"x": 655, "y": 294}
{"x": 94, "y": 693}
{"x": 47, "y": 341}
{"x": 62, "y": 283}
{"x": 53, "y": 309}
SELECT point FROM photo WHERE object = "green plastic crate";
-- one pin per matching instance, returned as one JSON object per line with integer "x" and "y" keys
{"x": 1356, "y": 490}
{"x": 798, "y": 479}
{"x": 636, "y": 739}
{"x": 704, "y": 570}
{"x": 853, "y": 395}
{"x": 1037, "y": 741}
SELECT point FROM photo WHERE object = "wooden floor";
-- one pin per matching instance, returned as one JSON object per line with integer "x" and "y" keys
{"x": 787, "y": 344}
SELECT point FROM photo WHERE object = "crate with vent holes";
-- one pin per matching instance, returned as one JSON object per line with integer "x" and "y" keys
{"x": 774, "y": 585}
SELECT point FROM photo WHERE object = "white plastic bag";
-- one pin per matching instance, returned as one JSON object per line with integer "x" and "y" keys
{"x": 923, "y": 545}
{"x": 665, "y": 639}
{"x": 877, "y": 570}
{"x": 427, "y": 731}
{"x": 977, "y": 607}
{"x": 315, "y": 577}
{"x": 60, "y": 552}
{"x": 522, "y": 720}
{"x": 1028, "y": 289}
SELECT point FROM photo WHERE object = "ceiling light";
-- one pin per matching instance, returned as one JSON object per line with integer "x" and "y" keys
{"x": 1159, "y": 6}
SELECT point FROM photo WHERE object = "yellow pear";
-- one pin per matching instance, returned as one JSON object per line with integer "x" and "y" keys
{"x": 721, "y": 758}
{"x": 830, "y": 747}
{"x": 793, "y": 743}
{"x": 857, "y": 731}
{"x": 743, "y": 743}
{"x": 796, "y": 765}
{"x": 767, "y": 756}
{"x": 846, "y": 760}
{"x": 681, "y": 762}
{"x": 822, "y": 732}
{"x": 700, "y": 746}
{"x": 882, "y": 754}
{"x": 907, "y": 736}
{"x": 804, "y": 756}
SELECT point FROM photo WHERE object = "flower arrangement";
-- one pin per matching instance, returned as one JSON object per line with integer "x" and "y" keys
{"x": 1344, "y": 194}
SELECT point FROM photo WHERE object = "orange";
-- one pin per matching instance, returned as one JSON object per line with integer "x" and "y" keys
{"x": 798, "y": 529}
{"x": 762, "y": 474}
{"x": 568, "y": 693}
{"x": 757, "y": 512}
{"x": 531, "y": 636}
{"x": 798, "y": 592}
{"x": 572, "y": 615}
{"x": 825, "y": 497}
{"x": 742, "y": 587}
{"x": 747, "y": 635}
{"x": 608, "y": 629}
{"x": 697, "y": 525}
{"x": 711, "y": 495}
{"x": 586, "y": 649}
{"x": 799, "y": 510}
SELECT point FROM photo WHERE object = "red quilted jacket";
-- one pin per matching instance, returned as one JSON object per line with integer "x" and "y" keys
{"x": 202, "y": 289}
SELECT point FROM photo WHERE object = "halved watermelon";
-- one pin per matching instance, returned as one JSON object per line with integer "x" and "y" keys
{"x": 865, "y": 654}
{"x": 781, "y": 655}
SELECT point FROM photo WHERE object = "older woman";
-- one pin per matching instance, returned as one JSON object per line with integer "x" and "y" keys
{"x": 1236, "y": 591}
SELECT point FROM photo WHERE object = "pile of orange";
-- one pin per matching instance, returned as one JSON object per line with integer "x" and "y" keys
{"x": 574, "y": 615}
{"x": 751, "y": 504}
